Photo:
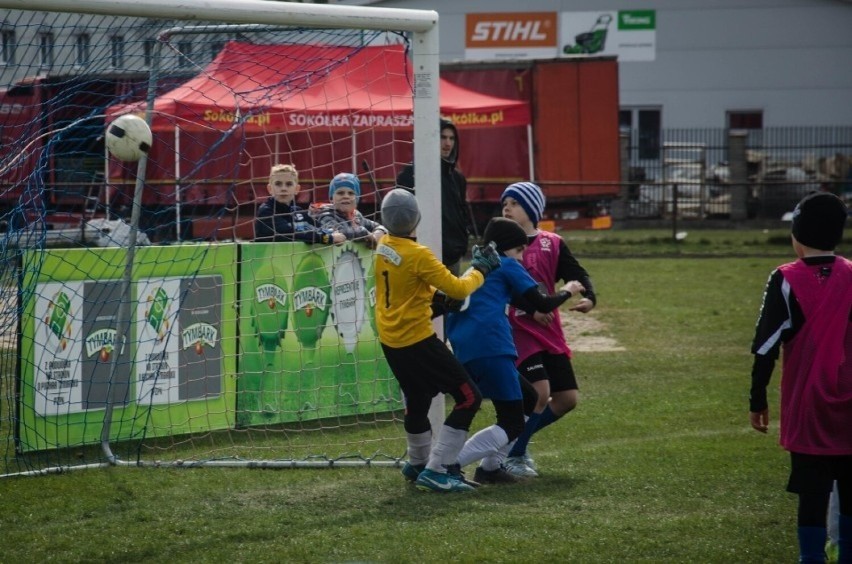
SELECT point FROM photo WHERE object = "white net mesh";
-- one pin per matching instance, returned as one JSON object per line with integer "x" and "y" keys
{"x": 199, "y": 346}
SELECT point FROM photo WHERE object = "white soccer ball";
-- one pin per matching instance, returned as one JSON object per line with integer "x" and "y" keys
{"x": 128, "y": 137}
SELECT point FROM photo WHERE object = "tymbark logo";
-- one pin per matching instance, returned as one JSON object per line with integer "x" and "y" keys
{"x": 511, "y": 29}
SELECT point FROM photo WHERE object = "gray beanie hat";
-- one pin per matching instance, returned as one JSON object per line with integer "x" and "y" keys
{"x": 400, "y": 213}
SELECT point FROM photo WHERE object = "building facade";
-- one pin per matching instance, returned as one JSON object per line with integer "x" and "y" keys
{"x": 713, "y": 63}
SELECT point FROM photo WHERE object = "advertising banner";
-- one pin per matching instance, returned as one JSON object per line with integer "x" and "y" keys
{"x": 308, "y": 344}
{"x": 630, "y": 35}
{"x": 169, "y": 369}
{"x": 511, "y": 35}
{"x": 287, "y": 333}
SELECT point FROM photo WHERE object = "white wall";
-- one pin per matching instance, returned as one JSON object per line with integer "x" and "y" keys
{"x": 792, "y": 59}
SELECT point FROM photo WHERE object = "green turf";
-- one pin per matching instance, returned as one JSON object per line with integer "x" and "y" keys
{"x": 657, "y": 464}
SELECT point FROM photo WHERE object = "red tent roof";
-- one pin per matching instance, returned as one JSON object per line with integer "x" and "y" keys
{"x": 298, "y": 87}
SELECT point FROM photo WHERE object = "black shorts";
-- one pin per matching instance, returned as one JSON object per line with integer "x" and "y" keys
{"x": 554, "y": 367}
{"x": 426, "y": 368}
{"x": 815, "y": 474}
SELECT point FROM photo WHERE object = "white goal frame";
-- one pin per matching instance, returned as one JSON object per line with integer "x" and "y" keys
{"x": 423, "y": 28}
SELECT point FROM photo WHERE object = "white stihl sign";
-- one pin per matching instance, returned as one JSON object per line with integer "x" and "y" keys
{"x": 516, "y": 35}
{"x": 534, "y": 29}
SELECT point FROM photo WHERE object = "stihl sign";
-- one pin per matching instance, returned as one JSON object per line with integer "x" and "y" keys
{"x": 511, "y": 29}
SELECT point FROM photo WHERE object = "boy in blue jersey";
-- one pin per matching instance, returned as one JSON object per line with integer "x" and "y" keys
{"x": 481, "y": 338}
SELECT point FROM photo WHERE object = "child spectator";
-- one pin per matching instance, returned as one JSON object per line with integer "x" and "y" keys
{"x": 280, "y": 218}
{"x": 407, "y": 275}
{"x": 341, "y": 216}
{"x": 807, "y": 311}
{"x": 544, "y": 357}
{"x": 482, "y": 340}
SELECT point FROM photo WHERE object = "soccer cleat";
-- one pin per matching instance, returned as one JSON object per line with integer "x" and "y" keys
{"x": 412, "y": 471}
{"x": 455, "y": 470}
{"x": 528, "y": 460}
{"x": 498, "y": 476}
{"x": 516, "y": 466}
{"x": 431, "y": 481}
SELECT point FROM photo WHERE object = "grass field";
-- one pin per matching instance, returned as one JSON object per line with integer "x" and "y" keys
{"x": 657, "y": 464}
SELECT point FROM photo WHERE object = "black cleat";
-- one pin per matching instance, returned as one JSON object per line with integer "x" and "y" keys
{"x": 498, "y": 476}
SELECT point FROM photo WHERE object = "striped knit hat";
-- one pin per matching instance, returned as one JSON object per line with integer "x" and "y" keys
{"x": 530, "y": 197}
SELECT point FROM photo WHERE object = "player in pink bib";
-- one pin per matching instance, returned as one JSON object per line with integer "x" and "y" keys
{"x": 544, "y": 357}
{"x": 807, "y": 311}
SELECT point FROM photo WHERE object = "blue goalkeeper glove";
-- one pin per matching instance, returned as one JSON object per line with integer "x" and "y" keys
{"x": 485, "y": 258}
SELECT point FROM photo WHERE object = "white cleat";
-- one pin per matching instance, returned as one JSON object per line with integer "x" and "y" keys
{"x": 517, "y": 466}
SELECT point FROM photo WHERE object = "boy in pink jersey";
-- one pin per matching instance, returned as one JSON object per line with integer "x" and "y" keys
{"x": 544, "y": 357}
{"x": 807, "y": 310}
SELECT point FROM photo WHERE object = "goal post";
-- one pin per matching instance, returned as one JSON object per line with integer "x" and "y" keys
{"x": 141, "y": 324}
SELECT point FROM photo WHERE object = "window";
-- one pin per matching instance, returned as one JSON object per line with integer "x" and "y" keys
{"x": 148, "y": 51}
{"x": 745, "y": 119}
{"x": 644, "y": 127}
{"x": 9, "y": 44}
{"x": 84, "y": 41}
{"x": 184, "y": 54}
{"x": 45, "y": 50}
{"x": 116, "y": 43}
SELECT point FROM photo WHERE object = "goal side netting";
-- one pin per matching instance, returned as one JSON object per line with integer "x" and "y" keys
{"x": 142, "y": 322}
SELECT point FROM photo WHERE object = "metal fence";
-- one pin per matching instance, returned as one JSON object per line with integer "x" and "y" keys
{"x": 733, "y": 174}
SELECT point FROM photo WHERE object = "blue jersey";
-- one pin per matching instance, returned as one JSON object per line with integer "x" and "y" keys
{"x": 482, "y": 328}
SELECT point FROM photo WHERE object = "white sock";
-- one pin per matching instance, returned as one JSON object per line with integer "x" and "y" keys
{"x": 446, "y": 449}
{"x": 483, "y": 444}
{"x": 496, "y": 460}
{"x": 419, "y": 446}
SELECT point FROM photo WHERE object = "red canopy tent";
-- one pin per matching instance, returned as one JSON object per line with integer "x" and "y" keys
{"x": 294, "y": 87}
{"x": 324, "y": 108}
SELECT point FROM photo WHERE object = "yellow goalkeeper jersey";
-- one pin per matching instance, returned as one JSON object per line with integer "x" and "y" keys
{"x": 407, "y": 274}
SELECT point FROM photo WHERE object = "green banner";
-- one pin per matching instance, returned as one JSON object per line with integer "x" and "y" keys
{"x": 284, "y": 333}
{"x": 308, "y": 345}
{"x": 634, "y": 20}
{"x": 170, "y": 376}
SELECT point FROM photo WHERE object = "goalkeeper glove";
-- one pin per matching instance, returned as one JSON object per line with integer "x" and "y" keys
{"x": 485, "y": 258}
{"x": 442, "y": 304}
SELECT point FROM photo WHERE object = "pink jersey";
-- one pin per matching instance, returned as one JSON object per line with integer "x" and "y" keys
{"x": 541, "y": 259}
{"x": 816, "y": 380}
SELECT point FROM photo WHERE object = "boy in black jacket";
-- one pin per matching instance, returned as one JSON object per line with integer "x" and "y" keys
{"x": 280, "y": 218}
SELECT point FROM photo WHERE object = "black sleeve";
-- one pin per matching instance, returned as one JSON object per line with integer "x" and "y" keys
{"x": 263, "y": 229}
{"x": 520, "y": 302}
{"x": 544, "y": 303}
{"x": 774, "y": 325}
{"x": 761, "y": 373}
{"x": 568, "y": 268}
{"x": 279, "y": 228}
{"x": 779, "y": 319}
{"x": 312, "y": 236}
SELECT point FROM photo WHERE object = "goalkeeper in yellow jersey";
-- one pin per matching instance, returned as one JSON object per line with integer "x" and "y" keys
{"x": 407, "y": 277}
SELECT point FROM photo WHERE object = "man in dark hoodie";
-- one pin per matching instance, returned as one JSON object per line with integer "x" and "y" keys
{"x": 455, "y": 215}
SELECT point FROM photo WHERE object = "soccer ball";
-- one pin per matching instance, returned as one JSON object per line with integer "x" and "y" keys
{"x": 128, "y": 137}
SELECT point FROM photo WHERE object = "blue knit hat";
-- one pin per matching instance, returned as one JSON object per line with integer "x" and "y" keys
{"x": 530, "y": 197}
{"x": 345, "y": 180}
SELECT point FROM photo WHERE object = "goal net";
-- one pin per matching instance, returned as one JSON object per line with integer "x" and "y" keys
{"x": 142, "y": 323}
